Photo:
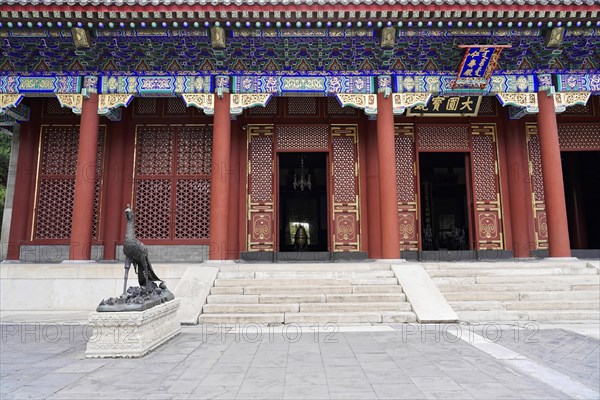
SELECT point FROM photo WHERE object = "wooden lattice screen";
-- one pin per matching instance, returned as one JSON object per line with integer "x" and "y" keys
{"x": 55, "y": 189}
{"x": 172, "y": 182}
{"x": 261, "y": 214}
{"x": 345, "y": 204}
{"x": 571, "y": 137}
{"x": 406, "y": 176}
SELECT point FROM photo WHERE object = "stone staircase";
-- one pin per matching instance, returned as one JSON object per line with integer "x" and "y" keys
{"x": 544, "y": 291}
{"x": 305, "y": 294}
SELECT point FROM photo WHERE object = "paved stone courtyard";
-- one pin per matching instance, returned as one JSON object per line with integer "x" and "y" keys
{"x": 401, "y": 361}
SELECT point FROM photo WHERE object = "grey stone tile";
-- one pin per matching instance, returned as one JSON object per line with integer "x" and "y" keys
{"x": 265, "y": 374}
{"x": 340, "y": 362}
{"x": 308, "y": 391}
{"x": 426, "y": 371}
{"x": 398, "y": 391}
{"x": 349, "y": 385}
{"x": 81, "y": 366}
{"x": 489, "y": 391}
{"x": 435, "y": 383}
{"x": 388, "y": 376}
{"x": 301, "y": 378}
{"x": 223, "y": 380}
{"x": 469, "y": 376}
{"x": 353, "y": 395}
{"x": 262, "y": 386}
{"x": 205, "y": 392}
{"x": 229, "y": 368}
{"x": 304, "y": 367}
{"x": 344, "y": 372}
{"x": 448, "y": 394}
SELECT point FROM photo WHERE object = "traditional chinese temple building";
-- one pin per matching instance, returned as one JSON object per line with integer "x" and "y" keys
{"x": 388, "y": 129}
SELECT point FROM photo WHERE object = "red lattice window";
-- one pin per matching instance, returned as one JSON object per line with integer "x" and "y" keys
{"x": 52, "y": 108}
{"x": 269, "y": 109}
{"x": 579, "y": 137}
{"x": 487, "y": 106}
{"x": 405, "y": 159}
{"x": 335, "y": 108}
{"x": 146, "y": 106}
{"x": 175, "y": 106}
{"x": 344, "y": 172}
{"x": 303, "y": 137}
{"x": 484, "y": 164}
{"x": 302, "y": 105}
{"x": 56, "y": 184}
{"x": 443, "y": 137}
{"x": 579, "y": 109}
{"x": 173, "y": 182}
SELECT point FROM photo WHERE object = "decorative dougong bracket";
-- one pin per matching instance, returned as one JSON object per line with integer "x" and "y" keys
{"x": 72, "y": 101}
{"x": 239, "y": 102}
{"x": 527, "y": 103}
{"x": 108, "y": 104}
{"x": 203, "y": 101}
{"x": 367, "y": 102}
{"x": 11, "y": 111}
{"x": 402, "y": 101}
{"x": 562, "y": 100}
{"x": 522, "y": 103}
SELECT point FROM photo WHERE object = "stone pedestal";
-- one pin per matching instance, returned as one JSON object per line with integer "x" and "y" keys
{"x": 132, "y": 334}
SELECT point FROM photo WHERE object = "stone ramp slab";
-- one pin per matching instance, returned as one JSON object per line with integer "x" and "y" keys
{"x": 193, "y": 288}
{"x": 427, "y": 301}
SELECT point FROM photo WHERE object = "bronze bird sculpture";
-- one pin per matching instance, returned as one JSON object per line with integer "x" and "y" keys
{"x": 136, "y": 253}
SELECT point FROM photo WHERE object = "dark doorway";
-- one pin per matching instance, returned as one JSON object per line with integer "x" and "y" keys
{"x": 444, "y": 205}
{"x": 303, "y": 200}
{"x": 581, "y": 175}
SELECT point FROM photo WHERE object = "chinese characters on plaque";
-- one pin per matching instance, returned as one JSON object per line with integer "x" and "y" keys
{"x": 477, "y": 65}
{"x": 442, "y": 106}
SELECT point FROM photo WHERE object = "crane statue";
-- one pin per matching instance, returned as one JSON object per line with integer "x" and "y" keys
{"x": 148, "y": 294}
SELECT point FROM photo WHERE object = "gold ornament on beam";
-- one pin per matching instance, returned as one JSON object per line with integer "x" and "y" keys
{"x": 81, "y": 38}
{"x": 217, "y": 35}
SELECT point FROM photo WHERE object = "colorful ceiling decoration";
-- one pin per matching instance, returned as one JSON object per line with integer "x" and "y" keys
{"x": 147, "y": 51}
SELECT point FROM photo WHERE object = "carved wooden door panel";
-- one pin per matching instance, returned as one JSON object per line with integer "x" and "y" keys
{"x": 408, "y": 216}
{"x": 486, "y": 188}
{"x": 345, "y": 199}
{"x": 261, "y": 198}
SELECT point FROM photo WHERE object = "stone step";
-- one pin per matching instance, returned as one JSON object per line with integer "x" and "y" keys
{"x": 569, "y": 296}
{"x": 250, "y": 308}
{"x": 398, "y": 317}
{"x": 578, "y": 305}
{"x": 334, "y": 318}
{"x": 511, "y": 272}
{"x": 282, "y": 299}
{"x": 232, "y": 299}
{"x": 517, "y": 287}
{"x": 481, "y": 296}
{"x": 241, "y": 318}
{"x": 306, "y": 267}
{"x": 365, "y": 297}
{"x": 300, "y": 290}
{"x": 377, "y": 289}
{"x": 281, "y": 282}
{"x": 324, "y": 274}
{"x": 498, "y": 265}
{"x": 585, "y": 287}
{"x": 477, "y": 305}
{"x": 374, "y": 281}
{"x": 528, "y": 315}
{"x": 226, "y": 290}
{"x": 353, "y": 307}
{"x": 572, "y": 279}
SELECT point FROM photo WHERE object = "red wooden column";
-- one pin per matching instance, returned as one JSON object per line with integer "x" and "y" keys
{"x": 388, "y": 191}
{"x": 518, "y": 187}
{"x": 80, "y": 247}
{"x": 554, "y": 191}
{"x": 373, "y": 192}
{"x": 219, "y": 185}
{"x": 234, "y": 172}
{"x": 24, "y": 180}
{"x": 115, "y": 206}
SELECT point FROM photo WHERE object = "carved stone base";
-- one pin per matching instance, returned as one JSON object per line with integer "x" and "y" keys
{"x": 132, "y": 334}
